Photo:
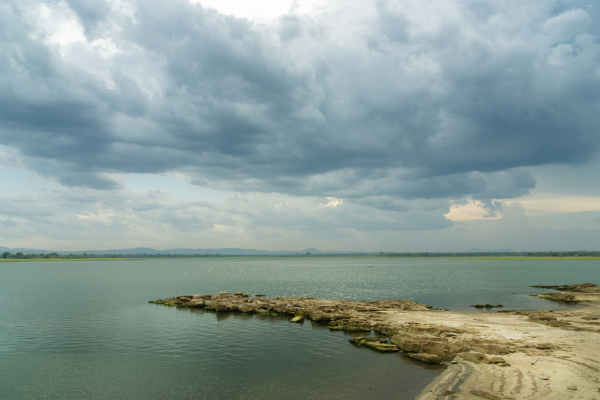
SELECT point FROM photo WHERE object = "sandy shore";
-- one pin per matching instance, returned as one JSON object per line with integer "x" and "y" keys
{"x": 546, "y": 362}
{"x": 496, "y": 355}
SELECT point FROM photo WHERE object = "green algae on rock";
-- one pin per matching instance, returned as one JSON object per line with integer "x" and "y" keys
{"x": 376, "y": 343}
{"x": 558, "y": 296}
{"x": 564, "y": 295}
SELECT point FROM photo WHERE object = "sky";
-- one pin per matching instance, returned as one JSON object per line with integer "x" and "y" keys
{"x": 372, "y": 125}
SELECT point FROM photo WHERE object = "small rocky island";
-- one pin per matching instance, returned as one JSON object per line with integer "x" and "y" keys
{"x": 495, "y": 355}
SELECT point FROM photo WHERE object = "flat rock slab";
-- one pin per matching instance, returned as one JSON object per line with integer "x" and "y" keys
{"x": 382, "y": 347}
{"x": 426, "y": 358}
{"x": 359, "y": 339}
{"x": 376, "y": 343}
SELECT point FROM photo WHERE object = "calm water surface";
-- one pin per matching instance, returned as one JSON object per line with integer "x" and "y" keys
{"x": 84, "y": 330}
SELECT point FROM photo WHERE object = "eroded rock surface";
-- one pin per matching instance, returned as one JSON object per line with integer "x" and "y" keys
{"x": 557, "y": 296}
{"x": 351, "y": 316}
{"x": 582, "y": 287}
{"x": 426, "y": 358}
{"x": 568, "y": 293}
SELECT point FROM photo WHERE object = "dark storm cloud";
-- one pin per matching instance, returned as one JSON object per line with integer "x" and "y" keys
{"x": 413, "y": 103}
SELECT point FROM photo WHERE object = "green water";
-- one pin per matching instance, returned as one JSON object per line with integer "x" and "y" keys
{"x": 85, "y": 330}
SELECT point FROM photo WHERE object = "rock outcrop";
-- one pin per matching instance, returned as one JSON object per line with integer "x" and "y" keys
{"x": 430, "y": 343}
{"x": 557, "y": 296}
{"x": 351, "y": 316}
{"x": 426, "y": 358}
{"x": 491, "y": 355}
{"x": 582, "y": 287}
{"x": 566, "y": 292}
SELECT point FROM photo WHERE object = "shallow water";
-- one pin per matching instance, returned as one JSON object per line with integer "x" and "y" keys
{"x": 85, "y": 330}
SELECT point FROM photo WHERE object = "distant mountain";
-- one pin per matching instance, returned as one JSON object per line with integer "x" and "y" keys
{"x": 26, "y": 251}
{"x": 222, "y": 251}
{"x": 148, "y": 250}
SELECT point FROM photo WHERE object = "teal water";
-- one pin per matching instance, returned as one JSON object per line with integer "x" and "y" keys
{"x": 85, "y": 330}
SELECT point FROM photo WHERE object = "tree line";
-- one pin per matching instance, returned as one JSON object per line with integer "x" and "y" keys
{"x": 581, "y": 253}
{"x": 33, "y": 256}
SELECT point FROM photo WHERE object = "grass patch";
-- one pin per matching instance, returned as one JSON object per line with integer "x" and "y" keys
{"x": 68, "y": 259}
{"x": 508, "y": 258}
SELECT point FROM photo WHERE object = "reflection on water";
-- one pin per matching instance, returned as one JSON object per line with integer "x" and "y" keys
{"x": 84, "y": 330}
{"x": 319, "y": 326}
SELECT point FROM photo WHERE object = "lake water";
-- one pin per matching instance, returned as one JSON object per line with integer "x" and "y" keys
{"x": 85, "y": 330}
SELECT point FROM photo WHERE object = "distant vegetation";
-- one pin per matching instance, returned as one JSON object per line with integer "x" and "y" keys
{"x": 54, "y": 256}
{"x": 580, "y": 253}
{"x": 513, "y": 254}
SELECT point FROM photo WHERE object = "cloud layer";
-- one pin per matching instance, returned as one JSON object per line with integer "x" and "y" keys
{"x": 397, "y": 107}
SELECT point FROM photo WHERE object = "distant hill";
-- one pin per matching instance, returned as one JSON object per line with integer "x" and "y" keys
{"x": 26, "y": 251}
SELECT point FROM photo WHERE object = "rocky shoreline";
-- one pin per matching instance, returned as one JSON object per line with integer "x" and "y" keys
{"x": 499, "y": 355}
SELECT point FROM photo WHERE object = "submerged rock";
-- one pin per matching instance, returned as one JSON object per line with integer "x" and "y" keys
{"x": 382, "y": 347}
{"x": 487, "y": 306}
{"x": 361, "y": 339}
{"x": 375, "y": 343}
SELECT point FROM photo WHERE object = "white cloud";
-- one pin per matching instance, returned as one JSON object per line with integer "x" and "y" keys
{"x": 564, "y": 26}
{"x": 332, "y": 202}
